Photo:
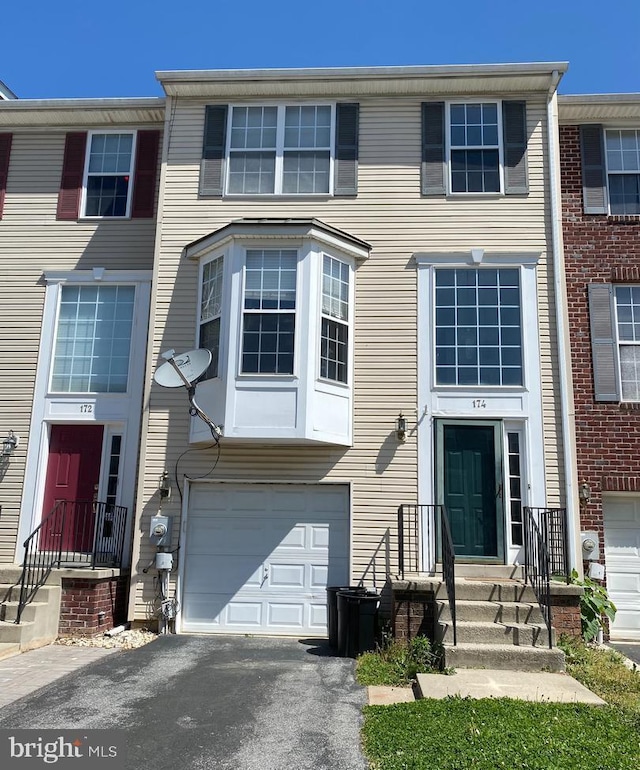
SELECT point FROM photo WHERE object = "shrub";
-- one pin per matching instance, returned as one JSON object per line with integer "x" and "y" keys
{"x": 397, "y": 661}
{"x": 595, "y": 605}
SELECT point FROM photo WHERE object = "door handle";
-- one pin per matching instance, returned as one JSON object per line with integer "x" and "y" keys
{"x": 265, "y": 575}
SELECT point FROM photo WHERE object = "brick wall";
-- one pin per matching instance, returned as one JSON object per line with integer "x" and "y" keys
{"x": 92, "y": 606}
{"x": 598, "y": 248}
{"x": 565, "y": 615}
{"x": 413, "y": 614}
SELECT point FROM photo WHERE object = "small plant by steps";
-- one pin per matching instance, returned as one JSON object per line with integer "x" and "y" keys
{"x": 397, "y": 661}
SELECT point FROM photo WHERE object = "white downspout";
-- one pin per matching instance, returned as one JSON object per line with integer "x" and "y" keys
{"x": 562, "y": 325}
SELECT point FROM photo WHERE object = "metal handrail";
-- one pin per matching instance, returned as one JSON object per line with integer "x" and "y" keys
{"x": 409, "y": 545}
{"x": 75, "y": 533}
{"x": 448, "y": 566}
{"x": 552, "y": 523}
{"x": 537, "y": 567}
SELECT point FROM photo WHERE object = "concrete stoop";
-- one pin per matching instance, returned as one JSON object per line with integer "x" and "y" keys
{"x": 40, "y": 618}
{"x": 498, "y": 624}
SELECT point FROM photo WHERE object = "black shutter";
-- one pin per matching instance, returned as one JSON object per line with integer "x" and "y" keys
{"x": 213, "y": 150}
{"x": 594, "y": 183}
{"x": 72, "y": 172}
{"x": 346, "y": 166}
{"x": 433, "y": 166}
{"x": 5, "y": 152}
{"x": 603, "y": 342}
{"x": 144, "y": 184}
{"x": 514, "y": 128}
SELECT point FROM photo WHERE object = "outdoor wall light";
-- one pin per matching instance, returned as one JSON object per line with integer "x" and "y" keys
{"x": 9, "y": 444}
{"x": 401, "y": 427}
{"x": 164, "y": 487}
{"x": 584, "y": 494}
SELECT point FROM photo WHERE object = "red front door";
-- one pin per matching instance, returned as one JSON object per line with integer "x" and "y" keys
{"x": 73, "y": 473}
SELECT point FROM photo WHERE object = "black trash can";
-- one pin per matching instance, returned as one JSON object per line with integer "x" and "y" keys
{"x": 357, "y": 622}
{"x": 332, "y": 611}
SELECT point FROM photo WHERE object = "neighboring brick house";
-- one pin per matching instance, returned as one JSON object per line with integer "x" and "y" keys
{"x": 600, "y": 167}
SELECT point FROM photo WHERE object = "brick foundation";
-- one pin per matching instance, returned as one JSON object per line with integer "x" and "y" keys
{"x": 91, "y": 607}
{"x": 413, "y": 614}
{"x": 565, "y": 615}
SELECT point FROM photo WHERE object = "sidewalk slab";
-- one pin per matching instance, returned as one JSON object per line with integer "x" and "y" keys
{"x": 520, "y": 685}
{"x": 379, "y": 695}
{"x": 22, "y": 674}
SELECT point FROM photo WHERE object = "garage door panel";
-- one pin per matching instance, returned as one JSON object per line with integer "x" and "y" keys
{"x": 262, "y": 563}
{"x": 622, "y": 555}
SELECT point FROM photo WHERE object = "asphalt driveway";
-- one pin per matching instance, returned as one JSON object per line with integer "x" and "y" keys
{"x": 630, "y": 650}
{"x": 201, "y": 702}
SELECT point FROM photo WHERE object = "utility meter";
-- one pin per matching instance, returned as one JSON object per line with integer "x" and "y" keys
{"x": 590, "y": 546}
{"x": 160, "y": 531}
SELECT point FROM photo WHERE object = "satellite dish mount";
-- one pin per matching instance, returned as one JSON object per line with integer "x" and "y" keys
{"x": 182, "y": 371}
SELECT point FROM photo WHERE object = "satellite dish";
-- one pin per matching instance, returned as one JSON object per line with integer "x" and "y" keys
{"x": 183, "y": 369}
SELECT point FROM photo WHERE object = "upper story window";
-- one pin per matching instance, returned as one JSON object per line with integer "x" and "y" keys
{"x": 269, "y": 311}
{"x": 623, "y": 170}
{"x": 478, "y": 334}
{"x": 627, "y": 304}
{"x": 477, "y": 147}
{"x": 474, "y": 147}
{"x": 280, "y": 149}
{"x": 93, "y": 339}
{"x": 108, "y": 175}
{"x": 334, "y": 338}
{"x": 210, "y": 311}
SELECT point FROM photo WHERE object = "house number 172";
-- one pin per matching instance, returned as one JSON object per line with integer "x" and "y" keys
{"x": 479, "y": 403}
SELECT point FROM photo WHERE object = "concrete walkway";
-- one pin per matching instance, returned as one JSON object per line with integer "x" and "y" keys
{"x": 27, "y": 672}
{"x": 520, "y": 685}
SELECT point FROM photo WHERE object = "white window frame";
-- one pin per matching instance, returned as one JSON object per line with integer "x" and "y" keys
{"x": 347, "y": 323}
{"x": 449, "y": 147}
{"x": 280, "y": 150}
{"x": 476, "y": 386}
{"x": 85, "y": 176}
{"x": 56, "y": 330}
{"x": 243, "y": 312}
{"x": 220, "y": 315}
{"x": 609, "y": 172}
{"x": 620, "y": 343}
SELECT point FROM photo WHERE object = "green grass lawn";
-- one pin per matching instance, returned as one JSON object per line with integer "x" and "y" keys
{"x": 465, "y": 734}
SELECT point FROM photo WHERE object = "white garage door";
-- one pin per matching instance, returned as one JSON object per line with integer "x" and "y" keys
{"x": 258, "y": 557}
{"x": 622, "y": 552}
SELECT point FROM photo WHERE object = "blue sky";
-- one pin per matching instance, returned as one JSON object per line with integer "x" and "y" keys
{"x": 91, "y": 49}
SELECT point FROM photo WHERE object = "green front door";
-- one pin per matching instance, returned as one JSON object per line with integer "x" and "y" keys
{"x": 469, "y": 472}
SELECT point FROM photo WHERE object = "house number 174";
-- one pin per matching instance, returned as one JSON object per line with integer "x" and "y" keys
{"x": 479, "y": 403}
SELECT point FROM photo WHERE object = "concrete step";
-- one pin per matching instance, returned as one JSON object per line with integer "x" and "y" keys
{"x": 9, "y": 611}
{"x": 491, "y": 612}
{"x": 505, "y": 657}
{"x": 17, "y": 634}
{"x": 7, "y": 649}
{"x": 11, "y": 593}
{"x": 476, "y": 632}
{"x": 487, "y": 571}
{"x": 10, "y": 573}
{"x": 472, "y": 589}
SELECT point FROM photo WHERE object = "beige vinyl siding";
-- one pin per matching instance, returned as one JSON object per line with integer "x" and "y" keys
{"x": 390, "y": 214}
{"x": 32, "y": 241}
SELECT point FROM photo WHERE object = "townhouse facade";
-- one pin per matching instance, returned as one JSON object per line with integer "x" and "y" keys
{"x": 78, "y": 192}
{"x": 599, "y": 145}
{"x": 372, "y": 257}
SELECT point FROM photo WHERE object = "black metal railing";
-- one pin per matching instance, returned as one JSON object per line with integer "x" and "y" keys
{"x": 448, "y": 566}
{"x": 418, "y": 524}
{"x": 409, "y": 540}
{"x": 537, "y": 565}
{"x": 552, "y": 523}
{"x": 76, "y": 533}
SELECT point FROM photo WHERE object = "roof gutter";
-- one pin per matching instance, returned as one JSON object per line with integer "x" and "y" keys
{"x": 562, "y": 326}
